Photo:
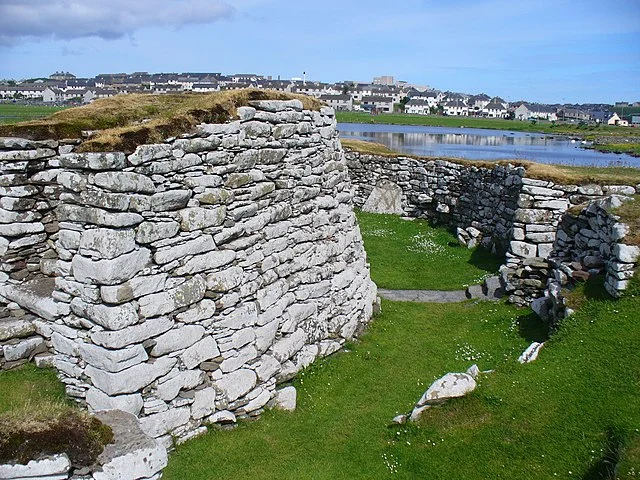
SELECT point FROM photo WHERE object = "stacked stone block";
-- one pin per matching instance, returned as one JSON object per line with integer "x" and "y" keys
{"x": 197, "y": 274}
{"x": 593, "y": 242}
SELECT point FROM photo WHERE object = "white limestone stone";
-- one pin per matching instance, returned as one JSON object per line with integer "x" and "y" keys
{"x": 134, "y": 288}
{"x": 99, "y": 401}
{"x": 286, "y": 399}
{"x": 124, "y": 182}
{"x": 236, "y": 384}
{"x": 285, "y": 348}
{"x": 185, "y": 380}
{"x": 203, "y": 403}
{"x": 177, "y": 339}
{"x": 186, "y": 294}
{"x": 107, "y": 243}
{"x": 202, "y": 311}
{"x": 449, "y": 386}
{"x": 110, "y": 272}
{"x": 225, "y": 280}
{"x": 109, "y": 317}
{"x": 207, "y": 261}
{"x": 149, "y": 232}
{"x": 531, "y": 353}
{"x": 112, "y": 360}
{"x": 132, "y": 335}
{"x": 205, "y": 349}
{"x": 53, "y": 467}
{"x": 132, "y": 379}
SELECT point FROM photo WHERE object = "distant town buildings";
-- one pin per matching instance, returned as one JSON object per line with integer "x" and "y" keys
{"x": 383, "y": 95}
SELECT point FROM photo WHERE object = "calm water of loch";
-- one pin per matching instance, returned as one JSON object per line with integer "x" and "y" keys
{"x": 481, "y": 144}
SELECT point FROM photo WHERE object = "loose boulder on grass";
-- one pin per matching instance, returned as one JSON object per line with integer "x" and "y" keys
{"x": 452, "y": 385}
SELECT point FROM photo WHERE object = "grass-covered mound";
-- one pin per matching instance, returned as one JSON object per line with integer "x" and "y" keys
{"x": 412, "y": 255}
{"x": 566, "y": 175}
{"x": 36, "y": 419}
{"x": 125, "y": 121}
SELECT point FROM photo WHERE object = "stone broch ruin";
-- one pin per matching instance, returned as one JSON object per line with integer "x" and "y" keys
{"x": 184, "y": 282}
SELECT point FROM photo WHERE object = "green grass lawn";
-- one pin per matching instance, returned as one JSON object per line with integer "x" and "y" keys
{"x": 29, "y": 387}
{"x": 13, "y": 113}
{"x": 411, "y": 255}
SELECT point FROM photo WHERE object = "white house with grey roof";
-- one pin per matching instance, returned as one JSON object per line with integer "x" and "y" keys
{"x": 376, "y": 104}
{"x": 338, "y": 102}
{"x": 417, "y": 107}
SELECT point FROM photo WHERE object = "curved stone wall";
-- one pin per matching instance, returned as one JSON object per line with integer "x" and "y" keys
{"x": 195, "y": 275}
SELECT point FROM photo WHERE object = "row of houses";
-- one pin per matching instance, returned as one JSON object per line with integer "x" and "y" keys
{"x": 376, "y": 97}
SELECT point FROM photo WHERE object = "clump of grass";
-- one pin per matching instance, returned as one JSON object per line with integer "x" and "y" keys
{"x": 27, "y": 433}
{"x": 37, "y": 419}
{"x": 126, "y": 121}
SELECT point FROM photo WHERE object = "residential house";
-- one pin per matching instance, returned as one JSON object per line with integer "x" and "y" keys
{"x": 456, "y": 107}
{"x": 616, "y": 120}
{"x": 27, "y": 91}
{"x": 417, "y": 107}
{"x": 526, "y": 111}
{"x": 205, "y": 87}
{"x": 478, "y": 102}
{"x": 573, "y": 114}
{"x": 432, "y": 97}
{"x": 376, "y": 104}
{"x": 494, "y": 109}
{"x": 338, "y": 102}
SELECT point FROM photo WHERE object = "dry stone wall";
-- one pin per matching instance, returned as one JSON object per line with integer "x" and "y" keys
{"x": 500, "y": 207}
{"x": 28, "y": 195}
{"x": 457, "y": 195}
{"x": 196, "y": 275}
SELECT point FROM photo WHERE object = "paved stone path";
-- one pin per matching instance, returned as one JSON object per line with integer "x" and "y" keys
{"x": 427, "y": 296}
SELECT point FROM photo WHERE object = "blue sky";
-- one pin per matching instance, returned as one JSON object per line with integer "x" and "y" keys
{"x": 539, "y": 50}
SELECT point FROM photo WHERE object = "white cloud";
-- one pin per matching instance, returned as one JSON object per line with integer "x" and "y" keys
{"x": 69, "y": 19}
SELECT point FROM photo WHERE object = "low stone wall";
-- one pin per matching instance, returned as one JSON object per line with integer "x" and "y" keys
{"x": 499, "y": 207}
{"x": 593, "y": 242}
{"x": 195, "y": 275}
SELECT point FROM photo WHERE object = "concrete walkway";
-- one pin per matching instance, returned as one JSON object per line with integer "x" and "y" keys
{"x": 427, "y": 296}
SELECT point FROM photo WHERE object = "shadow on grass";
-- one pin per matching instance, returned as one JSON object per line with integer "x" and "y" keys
{"x": 483, "y": 259}
{"x": 606, "y": 468}
{"x": 532, "y": 328}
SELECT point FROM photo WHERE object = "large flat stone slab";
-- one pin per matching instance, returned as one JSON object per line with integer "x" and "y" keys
{"x": 133, "y": 454}
{"x": 426, "y": 296}
{"x": 34, "y": 295}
